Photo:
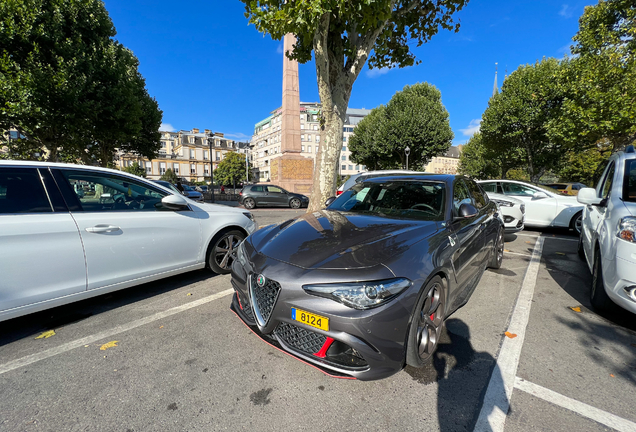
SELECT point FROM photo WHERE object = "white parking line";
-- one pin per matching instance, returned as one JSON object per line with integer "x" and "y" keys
{"x": 585, "y": 410}
{"x": 552, "y": 238}
{"x": 494, "y": 409}
{"x": 517, "y": 253}
{"x": 30, "y": 359}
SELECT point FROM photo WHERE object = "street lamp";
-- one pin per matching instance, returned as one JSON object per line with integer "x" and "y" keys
{"x": 211, "y": 166}
{"x": 407, "y": 151}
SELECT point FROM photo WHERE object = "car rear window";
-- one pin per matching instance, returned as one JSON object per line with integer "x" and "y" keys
{"x": 422, "y": 200}
{"x": 558, "y": 186}
{"x": 21, "y": 191}
{"x": 629, "y": 184}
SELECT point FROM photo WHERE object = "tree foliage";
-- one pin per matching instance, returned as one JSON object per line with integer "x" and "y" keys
{"x": 231, "y": 169}
{"x": 516, "y": 120}
{"x": 583, "y": 166}
{"x": 477, "y": 162}
{"x": 135, "y": 169}
{"x": 68, "y": 87}
{"x": 600, "y": 81}
{"x": 169, "y": 176}
{"x": 414, "y": 117}
{"x": 343, "y": 35}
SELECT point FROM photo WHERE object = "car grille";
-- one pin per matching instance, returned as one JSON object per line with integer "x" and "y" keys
{"x": 523, "y": 209}
{"x": 300, "y": 338}
{"x": 247, "y": 310}
{"x": 264, "y": 297}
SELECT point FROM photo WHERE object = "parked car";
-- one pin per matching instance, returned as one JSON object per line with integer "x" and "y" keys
{"x": 264, "y": 195}
{"x": 608, "y": 241}
{"x": 131, "y": 231}
{"x": 544, "y": 206}
{"x": 192, "y": 193}
{"x": 513, "y": 211}
{"x": 202, "y": 188}
{"x": 357, "y": 178}
{"x": 364, "y": 287}
{"x": 567, "y": 188}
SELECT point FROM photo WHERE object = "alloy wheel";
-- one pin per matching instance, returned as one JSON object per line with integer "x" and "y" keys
{"x": 224, "y": 251}
{"x": 430, "y": 322}
{"x": 249, "y": 203}
{"x": 294, "y": 203}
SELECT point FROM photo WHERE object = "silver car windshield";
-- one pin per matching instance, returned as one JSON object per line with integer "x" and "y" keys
{"x": 424, "y": 200}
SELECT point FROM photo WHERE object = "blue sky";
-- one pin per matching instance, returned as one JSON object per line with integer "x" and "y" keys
{"x": 209, "y": 70}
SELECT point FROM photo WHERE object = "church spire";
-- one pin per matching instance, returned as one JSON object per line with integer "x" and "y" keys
{"x": 495, "y": 89}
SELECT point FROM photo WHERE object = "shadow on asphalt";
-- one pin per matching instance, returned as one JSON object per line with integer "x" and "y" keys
{"x": 462, "y": 375}
{"x": 54, "y": 318}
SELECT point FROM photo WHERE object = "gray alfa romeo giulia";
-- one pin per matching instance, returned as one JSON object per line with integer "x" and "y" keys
{"x": 363, "y": 287}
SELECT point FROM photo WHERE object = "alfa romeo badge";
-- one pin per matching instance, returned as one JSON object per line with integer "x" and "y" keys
{"x": 260, "y": 280}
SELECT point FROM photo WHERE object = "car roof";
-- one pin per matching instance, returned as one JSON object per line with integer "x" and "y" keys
{"x": 419, "y": 176}
{"x": 40, "y": 164}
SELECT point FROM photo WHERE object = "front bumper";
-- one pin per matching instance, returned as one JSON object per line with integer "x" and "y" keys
{"x": 361, "y": 344}
{"x": 620, "y": 275}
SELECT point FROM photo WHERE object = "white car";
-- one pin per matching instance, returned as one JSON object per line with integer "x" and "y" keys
{"x": 608, "y": 238}
{"x": 360, "y": 177}
{"x": 58, "y": 246}
{"x": 512, "y": 209}
{"x": 544, "y": 206}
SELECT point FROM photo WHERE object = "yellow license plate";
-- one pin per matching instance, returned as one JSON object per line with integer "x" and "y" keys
{"x": 310, "y": 319}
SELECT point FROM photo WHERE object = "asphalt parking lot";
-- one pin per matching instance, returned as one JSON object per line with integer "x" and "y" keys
{"x": 171, "y": 356}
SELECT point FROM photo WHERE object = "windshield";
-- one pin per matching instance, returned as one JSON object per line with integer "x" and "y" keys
{"x": 168, "y": 185}
{"x": 629, "y": 184}
{"x": 422, "y": 200}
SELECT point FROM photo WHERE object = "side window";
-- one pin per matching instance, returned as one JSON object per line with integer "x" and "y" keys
{"x": 478, "y": 196}
{"x": 99, "y": 192}
{"x": 461, "y": 195}
{"x": 274, "y": 189}
{"x": 21, "y": 191}
{"x": 489, "y": 187}
{"x": 257, "y": 189}
{"x": 608, "y": 180}
{"x": 517, "y": 189}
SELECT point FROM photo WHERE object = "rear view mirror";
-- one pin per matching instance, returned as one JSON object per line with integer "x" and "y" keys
{"x": 174, "y": 202}
{"x": 329, "y": 201}
{"x": 588, "y": 196}
{"x": 467, "y": 210}
{"x": 539, "y": 195}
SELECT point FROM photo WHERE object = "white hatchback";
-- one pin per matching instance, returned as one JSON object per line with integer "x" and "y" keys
{"x": 544, "y": 206}
{"x": 608, "y": 238}
{"x": 58, "y": 246}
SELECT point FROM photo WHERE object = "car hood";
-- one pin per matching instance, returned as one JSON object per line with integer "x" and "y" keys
{"x": 208, "y": 207}
{"x": 337, "y": 240}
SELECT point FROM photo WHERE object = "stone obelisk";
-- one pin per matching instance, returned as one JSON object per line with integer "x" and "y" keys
{"x": 291, "y": 170}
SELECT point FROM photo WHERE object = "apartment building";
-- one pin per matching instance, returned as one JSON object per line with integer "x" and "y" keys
{"x": 266, "y": 142}
{"x": 187, "y": 153}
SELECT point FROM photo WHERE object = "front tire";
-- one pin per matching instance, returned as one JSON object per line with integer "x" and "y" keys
{"x": 294, "y": 203}
{"x": 222, "y": 251}
{"x": 576, "y": 222}
{"x": 497, "y": 258}
{"x": 427, "y": 323}
{"x": 598, "y": 296}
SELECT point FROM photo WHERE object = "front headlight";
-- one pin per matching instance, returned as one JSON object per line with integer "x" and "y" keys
{"x": 360, "y": 295}
{"x": 626, "y": 228}
{"x": 504, "y": 203}
{"x": 250, "y": 216}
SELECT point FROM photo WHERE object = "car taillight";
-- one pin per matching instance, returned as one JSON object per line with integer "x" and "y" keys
{"x": 241, "y": 193}
{"x": 338, "y": 192}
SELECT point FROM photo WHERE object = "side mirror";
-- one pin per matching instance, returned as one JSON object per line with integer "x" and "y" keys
{"x": 174, "y": 202}
{"x": 539, "y": 195}
{"x": 329, "y": 201}
{"x": 588, "y": 196}
{"x": 467, "y": 211}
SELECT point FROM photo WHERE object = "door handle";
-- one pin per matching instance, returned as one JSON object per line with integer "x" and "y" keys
{"x": 102, "y": 228}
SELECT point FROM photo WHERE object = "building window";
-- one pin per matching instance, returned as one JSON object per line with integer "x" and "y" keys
{"x": 308, "y": 149}
{"x": 302, "y": 126}
{"x": 302, "y": 148}
{"x": 314, "y": 117}
{"x": 344, "y": 138}
{"x": 175, "y": 168}
{"x": 163, "y": 144}
{"x": 148, "y": 167}
{"x": 344, "y": 157}
{"x": 162, "y": 168}
{"x": 317, "y": 138}
{"x": 206, "y": 170}
{"x": 205, "y": 155}
{"x": 191, "y": 140}
{"x": 315, "y": 127}
{"x": 344, "y": 148}
{"x": 191, "y": 154}
{"x": 351, "y": 167}
{"x": 302, "y": 137}
{"x": 344, "y": 167}
{"x": 193, "y": 169}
